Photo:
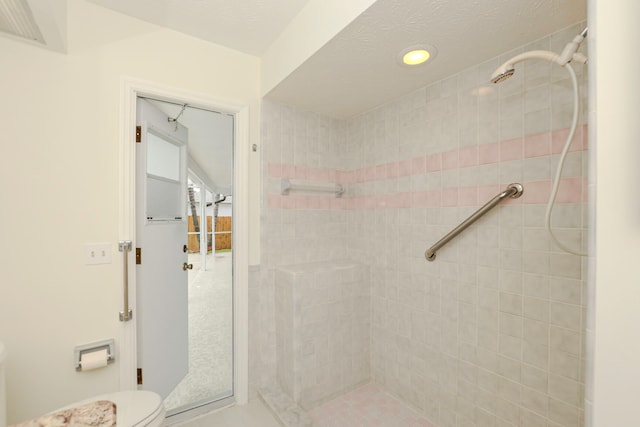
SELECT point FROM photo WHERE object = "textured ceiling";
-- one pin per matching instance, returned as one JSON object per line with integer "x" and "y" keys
{"x": 357, "y": 70}
{"x": 249, "y": 26}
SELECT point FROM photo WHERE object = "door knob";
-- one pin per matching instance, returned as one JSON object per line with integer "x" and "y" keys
{"x": 186, "y": 266}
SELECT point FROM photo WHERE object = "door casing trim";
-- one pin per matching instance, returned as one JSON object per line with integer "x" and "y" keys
{"x": 130, "y": 89}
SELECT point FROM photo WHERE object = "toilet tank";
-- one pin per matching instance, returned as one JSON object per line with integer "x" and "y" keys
{"x": 3, "y": 395}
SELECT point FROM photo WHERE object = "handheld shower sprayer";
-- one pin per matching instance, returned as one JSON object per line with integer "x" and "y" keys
{"x": 507, "y": 69}
{"x": 569, "y": 54}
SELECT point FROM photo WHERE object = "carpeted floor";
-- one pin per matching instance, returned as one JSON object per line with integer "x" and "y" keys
{"x": 210, "y": 374}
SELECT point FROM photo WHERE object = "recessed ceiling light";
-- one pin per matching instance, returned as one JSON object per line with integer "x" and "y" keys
{"x": 416, "y": 55}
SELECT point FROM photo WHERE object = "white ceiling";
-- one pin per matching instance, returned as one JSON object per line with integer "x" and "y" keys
{"x": 357, "y": 69}
{"x": 249, "y": 26}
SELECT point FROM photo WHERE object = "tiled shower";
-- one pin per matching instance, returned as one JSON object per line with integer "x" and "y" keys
{"x": 492, "y": 332}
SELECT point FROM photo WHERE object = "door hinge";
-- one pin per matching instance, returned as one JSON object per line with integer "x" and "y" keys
{"x": 139, "y": 376}
{"x": 138, "y": 255}
{"x": 138, "y": 133}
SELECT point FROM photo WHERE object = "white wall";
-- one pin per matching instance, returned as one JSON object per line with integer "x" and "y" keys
{"x": 59, "y": 171}
{"x": 225, "y": 209}
{"x": 317, "y": 23}
{"x": 59, "y": 149}
{"x": 615, "y": 31}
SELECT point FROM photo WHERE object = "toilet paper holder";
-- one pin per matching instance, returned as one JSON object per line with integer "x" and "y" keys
{"x": 80, "y": 350}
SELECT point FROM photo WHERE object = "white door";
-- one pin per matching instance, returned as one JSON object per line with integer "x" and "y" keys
{"x": 161, "y": 234}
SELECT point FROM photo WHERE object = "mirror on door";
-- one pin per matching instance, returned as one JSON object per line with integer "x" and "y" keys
{"x": 201, "y": 240}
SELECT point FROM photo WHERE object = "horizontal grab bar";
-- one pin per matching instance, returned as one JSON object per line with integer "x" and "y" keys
{"x": 287, "y": 187}
{"x": 514, "y": 191}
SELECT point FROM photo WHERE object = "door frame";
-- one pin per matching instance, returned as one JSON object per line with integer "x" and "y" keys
{"x": 130, "y": 89}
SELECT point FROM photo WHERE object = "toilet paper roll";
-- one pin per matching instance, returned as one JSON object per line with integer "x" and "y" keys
{"x": 93, "y": 360}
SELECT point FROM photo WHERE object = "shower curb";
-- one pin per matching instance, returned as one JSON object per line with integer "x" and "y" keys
{"x": 287, "y": 412}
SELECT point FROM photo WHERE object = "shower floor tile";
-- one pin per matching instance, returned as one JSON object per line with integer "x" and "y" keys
{"x": 367, "y": 406}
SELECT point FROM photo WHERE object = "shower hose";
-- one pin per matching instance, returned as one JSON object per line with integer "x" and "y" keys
{"x": 563, "y": 156}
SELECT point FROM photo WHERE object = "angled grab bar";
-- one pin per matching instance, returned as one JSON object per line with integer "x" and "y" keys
{"x": 514, "y": 191}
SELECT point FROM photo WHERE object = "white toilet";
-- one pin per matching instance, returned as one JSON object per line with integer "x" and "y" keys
{"x": 133, "y": 408}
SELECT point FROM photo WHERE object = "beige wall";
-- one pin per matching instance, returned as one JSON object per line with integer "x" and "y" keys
{"x": 317, "y": 23}
{"x": 616, "y": 84}
{"x": 59, "y": 171}
{"x": 59, "y": 174}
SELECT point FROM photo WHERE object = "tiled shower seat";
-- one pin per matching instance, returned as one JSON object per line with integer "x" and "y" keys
{"x": 322, "y": 329}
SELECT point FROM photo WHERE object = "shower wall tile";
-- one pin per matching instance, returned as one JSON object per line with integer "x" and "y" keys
{"x": 492, "y": 331}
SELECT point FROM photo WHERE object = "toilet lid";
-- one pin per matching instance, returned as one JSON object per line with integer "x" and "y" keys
{"x": 133, "y": 408}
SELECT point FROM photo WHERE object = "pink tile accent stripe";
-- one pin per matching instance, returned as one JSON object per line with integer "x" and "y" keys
{"x": 511, "y": 150}
{"x": 572, "y": 189}
{"x": 450, "y": 160}
{"x": 434, "y": 162}
{"x": 538, "y": 192}
{"x": 419, "y": 166}
{"x": 542, "y": 144}
{"x": 537, "y": 145}
{"x": 468, "y": 156}
{"x": 488, "y": 153}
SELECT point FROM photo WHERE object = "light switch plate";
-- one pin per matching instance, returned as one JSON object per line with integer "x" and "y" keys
{"x": 97, "y": 253}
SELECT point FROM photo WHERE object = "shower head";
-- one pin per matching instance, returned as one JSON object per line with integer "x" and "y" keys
{"x": 501, "y": 74}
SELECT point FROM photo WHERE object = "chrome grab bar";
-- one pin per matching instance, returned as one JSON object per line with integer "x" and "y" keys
{"x": 124, "y": 246}
{"x": 286, "y": 186}
{"x": 514, "y": 191}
